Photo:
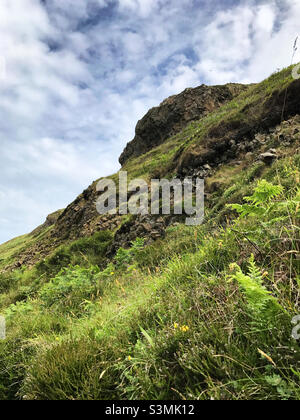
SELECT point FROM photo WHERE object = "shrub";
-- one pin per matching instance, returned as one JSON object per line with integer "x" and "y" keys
{"x": 263, "y": 306}
{"x": 84, "y": 251}
{"x": 70, "y": 288}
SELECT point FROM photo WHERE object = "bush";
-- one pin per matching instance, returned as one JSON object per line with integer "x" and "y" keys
{"x": 84, "y": 251}
{"x": 69, "y": 290}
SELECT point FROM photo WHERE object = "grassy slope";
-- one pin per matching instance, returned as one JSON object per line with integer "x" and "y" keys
{"x": 174, "y": 320}
{"x": 9, "y": 251}
{"x": 158, "y": 160}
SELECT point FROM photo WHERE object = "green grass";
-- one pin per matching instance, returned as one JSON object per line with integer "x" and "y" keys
{"x": 204, "y": 313}
{"x": 12, "y": 248}
{"x": 159, "y": 160}
{"x": 173, "y": 320}
{"x": 9, "y": 251}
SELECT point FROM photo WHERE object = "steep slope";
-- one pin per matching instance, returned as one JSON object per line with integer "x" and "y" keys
{"x": 225, "y": 135}
{"x": 110, "y": 307}
{"x": 175, "y": 113}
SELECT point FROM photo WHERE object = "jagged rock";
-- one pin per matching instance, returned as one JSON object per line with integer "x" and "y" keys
{"x": 260, "y": 138}
{"x": 155, "y": 234}
{"x": 224, "y": 143}
{"x": 50, "y": 221}
{"x": 147, "y": 227}
{"x": 173, "y": 114}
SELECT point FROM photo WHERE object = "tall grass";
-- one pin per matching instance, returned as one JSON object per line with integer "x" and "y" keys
{"x": 187, "y": 317}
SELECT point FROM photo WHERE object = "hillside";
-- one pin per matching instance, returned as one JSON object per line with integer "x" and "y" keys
{"x": 145, "y": 307}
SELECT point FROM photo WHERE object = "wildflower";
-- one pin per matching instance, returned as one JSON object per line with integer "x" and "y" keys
{"x": 265, "y": 274}
{"x": 129, "y": 358}
{"x": 112, "y": 273}
{"x": 263, "y": 354}
{"x": 184, "y": 328}
{"x": 176, "y": 325}
{"x": 232, "y": 266}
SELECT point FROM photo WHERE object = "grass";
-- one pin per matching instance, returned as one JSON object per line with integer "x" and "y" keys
{"x": 159, "y": 161}
{"x": 204, "y": 313}
{"x": 168, "y": 321}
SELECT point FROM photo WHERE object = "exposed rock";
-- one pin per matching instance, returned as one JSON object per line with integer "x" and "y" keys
{"x": 50, "y": 221}
{"x": 268, "y": 157}
{"x": 173, "y": 114}
{"x": 230, "y": 142}
{"x": 207, "y": 167}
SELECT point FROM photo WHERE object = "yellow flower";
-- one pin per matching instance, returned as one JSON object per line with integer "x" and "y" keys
{"x": 129, "y": 358}
{"x": 232, "y": 266}
{"x": 184, "y": 328}
{"x": 176, "y": 325}
{"x": 112, "y": 273}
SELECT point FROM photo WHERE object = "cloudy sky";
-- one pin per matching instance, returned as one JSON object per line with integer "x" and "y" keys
{"x": 76, "y": 75}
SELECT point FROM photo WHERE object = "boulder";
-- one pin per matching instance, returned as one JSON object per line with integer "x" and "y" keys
{"x": 268, "y": 157}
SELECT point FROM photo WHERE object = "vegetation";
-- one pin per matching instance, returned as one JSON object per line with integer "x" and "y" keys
{"x": 204, "y": 313}
{"x": 206, "y": 317}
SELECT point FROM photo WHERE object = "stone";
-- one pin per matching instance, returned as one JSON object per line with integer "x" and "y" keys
{"x": 207, "y": 167}
{"x": 175, "y": 113}
{"x": 249, "y": 156}
{"x": 147, "y": 227}
{"x": 160, "y": 220}
{"x": 268, "y": 157}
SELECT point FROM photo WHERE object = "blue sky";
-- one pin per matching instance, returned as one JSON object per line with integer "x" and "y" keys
{"x": 76, "y": 75}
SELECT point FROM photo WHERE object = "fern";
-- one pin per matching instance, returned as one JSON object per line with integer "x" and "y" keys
{"x": 262, "y": 305}
{"x": 125, "y": 257}
{"x": 264, "y": 193}
{"x": 260, "y": 202}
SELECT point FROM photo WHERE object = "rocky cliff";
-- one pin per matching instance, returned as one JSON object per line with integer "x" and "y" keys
{"x": 123, "y": 307}
{"x": 174, "y": 113}
{"x": 212, "y": 127}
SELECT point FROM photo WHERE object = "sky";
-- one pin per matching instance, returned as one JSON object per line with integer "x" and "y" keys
{"x": 77, "y": 75}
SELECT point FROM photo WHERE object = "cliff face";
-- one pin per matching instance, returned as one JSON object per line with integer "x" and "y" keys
{"x": 174, "y": 113}
{"x": 233, "y": 126}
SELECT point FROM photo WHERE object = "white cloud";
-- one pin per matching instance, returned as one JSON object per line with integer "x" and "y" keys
{"x": 244, "y": 45}
{"x": 79, "y": 77}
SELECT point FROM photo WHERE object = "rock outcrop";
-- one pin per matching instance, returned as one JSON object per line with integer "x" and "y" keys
{"x": 258, "y": 133}
{"x": 174, "y": 113}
